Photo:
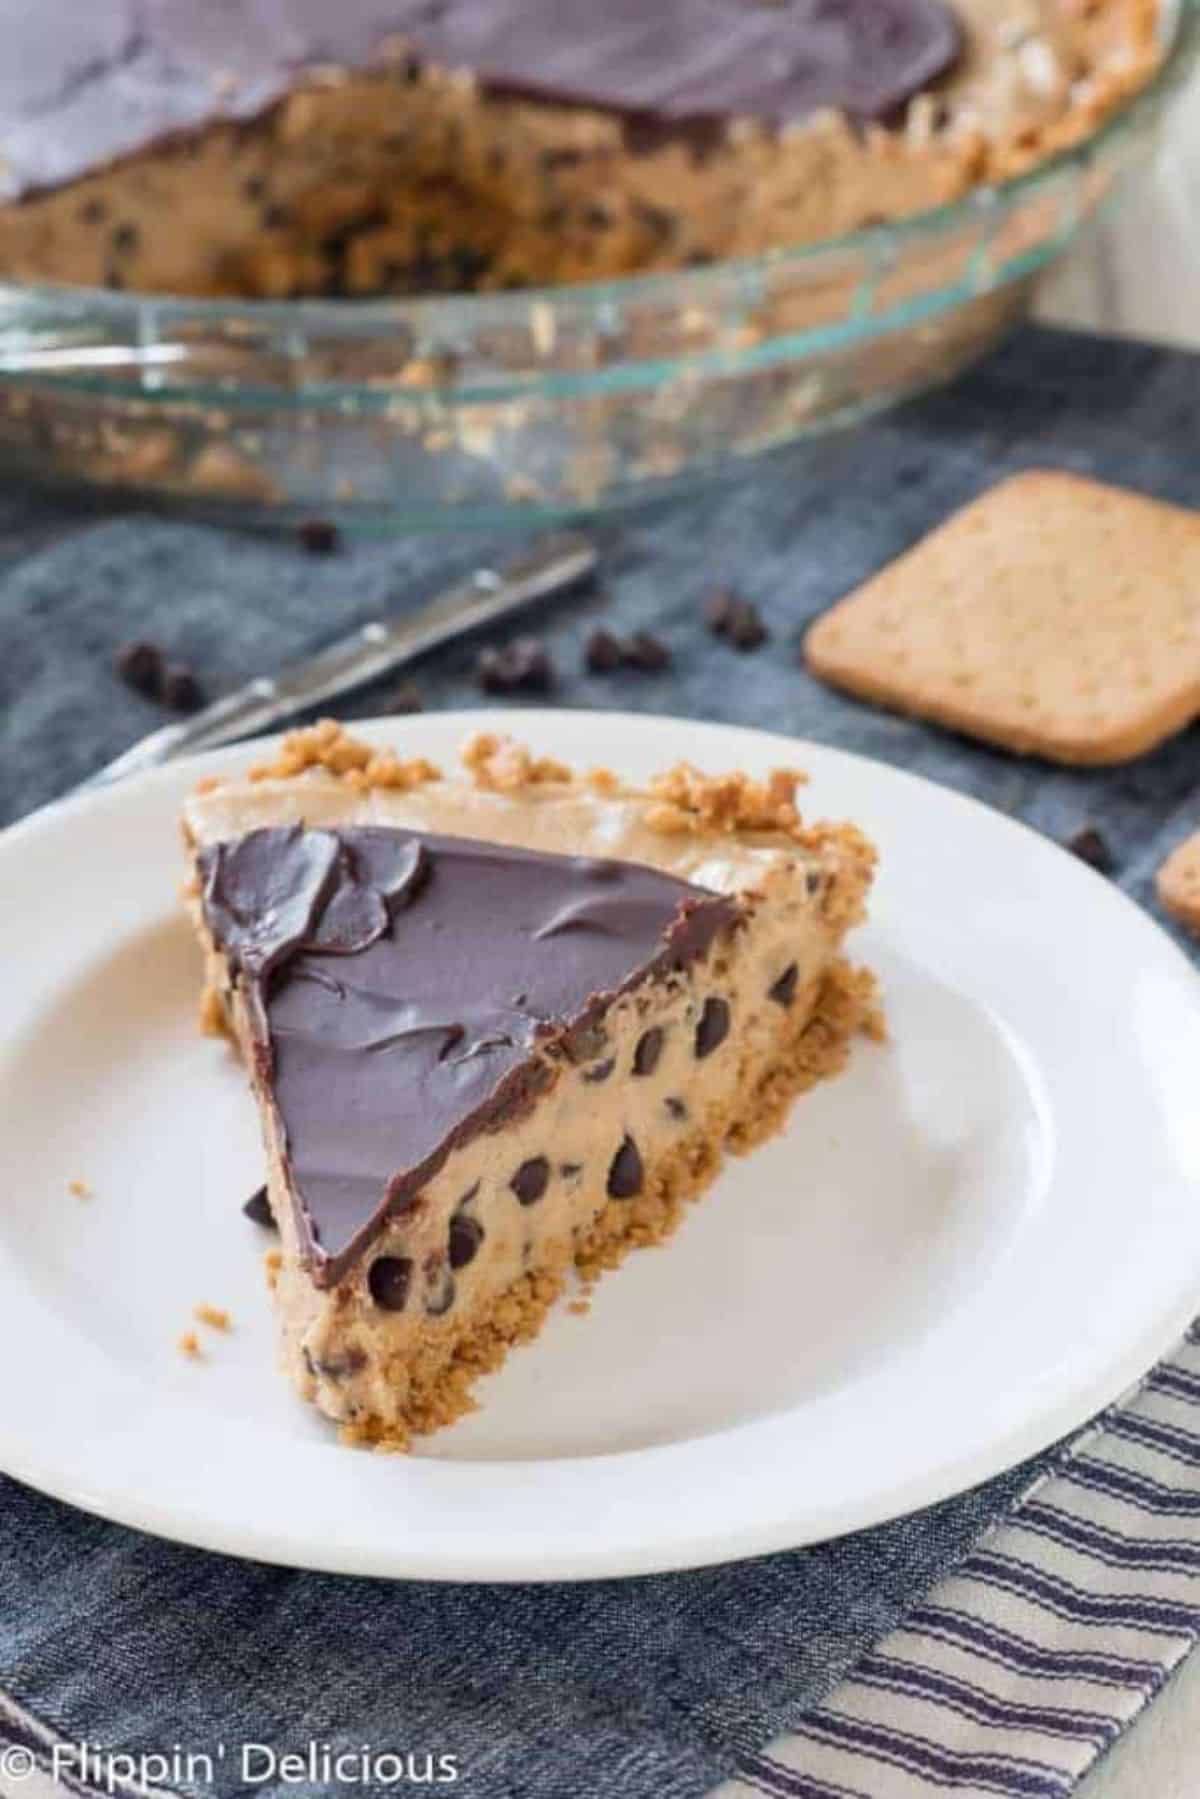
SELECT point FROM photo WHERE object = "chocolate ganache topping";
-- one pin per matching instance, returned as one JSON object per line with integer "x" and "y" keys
{"x": 403, "y": 987}
{"x": 81, "y": 86}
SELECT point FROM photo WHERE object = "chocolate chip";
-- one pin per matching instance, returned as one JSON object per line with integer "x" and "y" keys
{"x": 735, "y": 619}
{"x": 125, "y": 239}
{"x": 274, "y": 217}
{"x": 1092, "y": 848}
{"x": 318, "y": 537}
{"x": 93, "y": 212}
{"x": 675, "y": 1106}
{"x": 258, "y": 1210}
{"x": 600, "y": 1072}
{"x": 745, "y": 630}
{"x": 783, "y": 991}
{"x": 625, "y": 1172}
{"x": 717, "y": 608}
{"x": 647, "y": 652}
{"x": 140, "y": 666}
{"x": 814, "y": 881}
{"x": 180, "y": 689}
{"x": 335, "y": 1368}
{"x": 713, "y": 1027}
{"x": 570, "y": 1170}
{"x": 603, "y": 652}
{"x": 439, "y": 1290}
{"x": 520, "y": 667}
{"x": 466, "y": 1234}
{"x": 406, "y": 698}
{"x": 649, "y": 1049}
{"x": 389, "y": 1279}
{"x": 531, "y": 1180}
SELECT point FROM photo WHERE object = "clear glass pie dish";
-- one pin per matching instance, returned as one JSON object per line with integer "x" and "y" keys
{"x": 486, "y": 409}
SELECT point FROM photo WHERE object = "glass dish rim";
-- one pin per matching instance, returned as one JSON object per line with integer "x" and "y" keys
{"x": 462, "y": 311}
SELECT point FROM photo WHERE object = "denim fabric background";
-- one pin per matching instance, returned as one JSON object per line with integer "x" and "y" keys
{"x": 617, "y": 1689}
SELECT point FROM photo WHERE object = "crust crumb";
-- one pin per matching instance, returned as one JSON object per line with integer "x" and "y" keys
{"x": 687, "y": 800}
{"x": 215, "y": 1317}
{"x": 212, "y": 1014}
{"x": 273, "y": 1263}
{"x": 501, "y": 765}
{"x": 189, "y": 1345}
{"x": 327, "y": 747}
{"x": 79, "y": 1190}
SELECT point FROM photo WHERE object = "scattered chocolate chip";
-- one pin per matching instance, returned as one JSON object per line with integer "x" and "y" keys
{"x": 603, "y": 652}
{"x": 93, "y": 212}
{"x": 125, "y": 239}
{"x": 735, "y": 619}
{"x": 258, "y": 1211}
{"x": 274, "y": 217}
{"x": 647, "y": 652}
{"x": 406, "y": 698}
{"x": 522, "y": 666}
{"x": 439, "y": 1289}
{"x": 180, "y": 689}
{"x": 649, "y": 1049}
{"x": 319, "y": 537}
{"x": 713, "y": 1027}
{"x": 814, "y": 881}
{"x": 531, "y": 1180}
{"x": 140, "y": 666}
{"x": 466, "y": 1234}
{"x": 570, "y": 1170}
{"x": 1091, "y": 847}
{"x": 717, "y": 608}
{"x": 675, "y": 1106}
{"x": 389, "y": 1279}
{"x": 600, "y": 1072}
{"x": 625, "y": 1172}
{"x": 745, "y": 630}
{"x": 783, "y": 991}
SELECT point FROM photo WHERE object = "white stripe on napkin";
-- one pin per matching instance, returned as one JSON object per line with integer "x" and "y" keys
{"x": 1024, "y": 1665}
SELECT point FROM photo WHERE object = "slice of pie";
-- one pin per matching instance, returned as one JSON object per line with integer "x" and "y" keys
{"x": 500, "y": 1026}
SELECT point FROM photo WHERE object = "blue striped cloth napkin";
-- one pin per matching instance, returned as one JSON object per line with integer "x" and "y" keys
{"x": 1020, "y": 1668}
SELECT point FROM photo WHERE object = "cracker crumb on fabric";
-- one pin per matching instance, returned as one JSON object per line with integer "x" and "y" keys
{"x": 1178, "y": 883}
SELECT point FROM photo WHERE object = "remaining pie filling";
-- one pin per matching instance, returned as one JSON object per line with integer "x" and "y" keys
{"x": 277, "y": 147}
{"x": 480, "y": 1061}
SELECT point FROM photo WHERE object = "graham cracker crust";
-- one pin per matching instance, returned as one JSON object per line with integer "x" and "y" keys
{"x": 440, "y": 1390}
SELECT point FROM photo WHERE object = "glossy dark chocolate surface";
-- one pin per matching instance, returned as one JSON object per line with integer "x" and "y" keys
{"x": 81, "y": 85}
{"x": 400, "y": 986}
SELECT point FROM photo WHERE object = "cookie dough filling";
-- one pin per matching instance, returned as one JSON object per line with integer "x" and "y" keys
{"x": 501, "y": 1028}
{"x": 275, "y": 149}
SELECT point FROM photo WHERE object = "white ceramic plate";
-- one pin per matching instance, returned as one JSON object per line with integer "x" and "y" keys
{"x": 958, "y": 1251}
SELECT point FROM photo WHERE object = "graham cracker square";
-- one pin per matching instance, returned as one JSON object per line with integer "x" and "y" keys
{"x": 1178, "y": 882}
{"x": 1054, "y": 616}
